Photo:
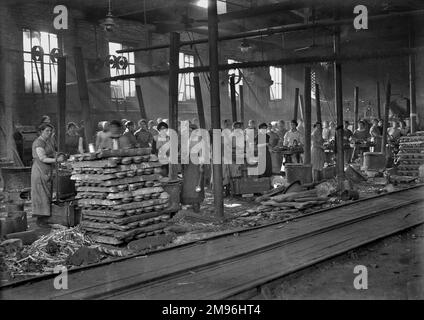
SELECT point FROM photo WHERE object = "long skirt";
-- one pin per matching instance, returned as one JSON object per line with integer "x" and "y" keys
{"x": 277, "y": 161}
{"x": 41, "y": 189}
{"x": 268, "y": 166}
{"x": 317, "y": 158}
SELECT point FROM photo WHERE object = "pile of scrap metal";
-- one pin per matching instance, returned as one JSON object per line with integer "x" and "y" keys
{"x": 410, "y": 158}
{"x": 292, "y": 199}
{"x": 120, "y": 194}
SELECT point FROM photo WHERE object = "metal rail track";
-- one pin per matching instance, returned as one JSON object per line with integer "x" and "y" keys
{"x": 251, "y": 253}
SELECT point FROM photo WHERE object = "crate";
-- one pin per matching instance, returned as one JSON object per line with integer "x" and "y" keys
{"x": 249, "y": 185}
{"x": 66, "y": 214}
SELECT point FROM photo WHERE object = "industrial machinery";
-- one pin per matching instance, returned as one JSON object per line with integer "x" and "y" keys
{"x": 24, "y": 137}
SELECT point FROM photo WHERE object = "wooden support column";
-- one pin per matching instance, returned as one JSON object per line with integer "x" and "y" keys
{"x": 408, "y": 106}
{"x": 174, "y": 51}
{"x": 307, "y": 115}
{"x": 356, "y": 107}
{"x": 83, "y": 94}
{"x": 241, "y": 92}
{"x": 338, "y": 97}
{"x": 141, "y": 105}
{"x": 233, "y": 98}
{"x": 412, "y": 87}
{"x": 199, "y": 102}
{"x": 61, "y": 103}
{"x": 296, "y": 104}
{"x": 378, "y": 101}
{"x": 215, "y": 104}
{"x": 318, "y": 103}
{"x": 386, "y": 117}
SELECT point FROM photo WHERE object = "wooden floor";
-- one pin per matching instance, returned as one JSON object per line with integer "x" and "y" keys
{"x": 226, "y": 266}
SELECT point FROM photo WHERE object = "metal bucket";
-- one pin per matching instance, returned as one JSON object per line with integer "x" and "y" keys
{"x": 173, "y": 188}
{"x": 298, "y": 172}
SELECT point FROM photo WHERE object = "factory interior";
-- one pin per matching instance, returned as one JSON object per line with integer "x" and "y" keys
{"x": 212, "y": 149}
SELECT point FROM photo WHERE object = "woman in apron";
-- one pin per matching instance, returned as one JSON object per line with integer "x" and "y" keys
{"x": 317, "y": 151}
{"x": 268, "y": 163}
{"x": 41, "y": 174}
{"x": 193, "y": 189}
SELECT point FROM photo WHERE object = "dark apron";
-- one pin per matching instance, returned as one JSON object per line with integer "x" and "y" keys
{"x": 41, "y": 184}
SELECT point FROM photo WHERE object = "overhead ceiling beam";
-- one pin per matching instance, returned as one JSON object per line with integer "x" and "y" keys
{"x": 364, "y": 55}
{"x": 283, "y": 29}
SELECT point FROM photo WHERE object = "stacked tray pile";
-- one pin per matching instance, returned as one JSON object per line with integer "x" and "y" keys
{"x": 411, "y": 154}
{"x": 120, "y": 195}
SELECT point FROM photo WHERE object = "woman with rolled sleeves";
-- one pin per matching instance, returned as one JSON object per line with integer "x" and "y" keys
{"x": 44, "y": 158}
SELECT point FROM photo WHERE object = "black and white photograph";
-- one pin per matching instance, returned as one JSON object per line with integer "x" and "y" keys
{"x": 211, "y": 156}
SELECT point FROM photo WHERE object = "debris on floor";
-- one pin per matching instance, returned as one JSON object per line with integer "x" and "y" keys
{"x": 43, "y": 255}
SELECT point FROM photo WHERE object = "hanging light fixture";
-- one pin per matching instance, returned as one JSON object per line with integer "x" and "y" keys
{"x": 109, "y": 23}
{"x": 245, "y": 46}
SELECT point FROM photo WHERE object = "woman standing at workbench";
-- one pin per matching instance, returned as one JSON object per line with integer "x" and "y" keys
{"x": 44, "y": 158}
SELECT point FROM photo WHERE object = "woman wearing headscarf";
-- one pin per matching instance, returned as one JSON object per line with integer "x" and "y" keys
{"x": 158, "y": 142}
{"x": 317, "y": 151}
{"x": 47, "y": 120}
{"x": 44, "y": 158}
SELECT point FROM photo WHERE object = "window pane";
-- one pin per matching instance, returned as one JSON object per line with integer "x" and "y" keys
{"x": 186, "y": 82}
{"x": 277, "y": 86}
{"x": 113, "y": 47}
{"x": 54, "y": 77}
{"x": 27, "y": 40}
{"x": 28, "y": 77}
{"x": 27, "y": 57}
{"x": 53, "y": 42}
{"x": 132, "y": 91}
{"x": 181, "y": 60}
{"x": 45, "y": 41}
{"x": 32, "y": 78}
{"x": 35, "y": 38}
{"x": 238, "y": 79}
